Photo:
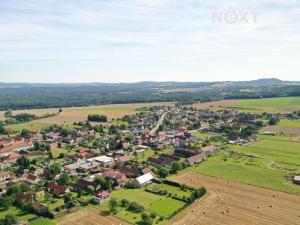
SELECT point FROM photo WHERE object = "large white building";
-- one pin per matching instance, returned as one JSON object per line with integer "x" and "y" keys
{"x": 144, "y": 179}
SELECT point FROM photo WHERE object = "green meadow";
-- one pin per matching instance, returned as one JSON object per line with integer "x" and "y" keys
{"x": 269, "y": 163}
{"x": 281, "y": 104}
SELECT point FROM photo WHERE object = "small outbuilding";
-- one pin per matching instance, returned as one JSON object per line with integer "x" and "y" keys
{"x": 296, "y": 180}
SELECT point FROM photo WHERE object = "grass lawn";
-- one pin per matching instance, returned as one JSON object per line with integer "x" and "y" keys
{"x": 142, "y": 156}
{"x": 203, "y": 135}
{"x": 161, "y": 205}
{"x": 245, "y": 170}
{"x": 59, "y": 202}
{"x": 170, "y": 189}
{"x": 57, "y": 151}
{"x": 32, "y": 126}
{"x": 21, "y": 216}
{"x": 290, "y": 123}
{"x": 42, "y": 222}
{"x": 281, "y": 104}
{"x": 275, "y": 160}
{"x": 283, "y": 152}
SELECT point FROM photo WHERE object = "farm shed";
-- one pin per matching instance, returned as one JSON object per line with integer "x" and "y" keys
{"x": 144, "y": 179}
{"x": 297, "y": 180}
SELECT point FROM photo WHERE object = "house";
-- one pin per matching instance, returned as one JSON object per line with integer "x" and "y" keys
{"x": 296, "y": 180}
{"x": 82, "y": 184}
{"x": 58, "y": 190}
{"x": 103, "y": 160}
{"x": 101, "y": 196}
{"x": 117, "y": 176}
{"x": 13, "y": 156}
{"x": 39, "y": 194}
{"x": 195, "y": 159}
{"x": 186, "y": 152}
{"x": 158, "y": 162}
{"x": 32, "y": 179}
{"x": 171, "y": 157}
{"x": 6, "y": 142}
{"x": 71, "y": 168}
{"x": 4, "y": 164}
{"x": 52, "y": 136}
{"x": 143, "y": 180}
{"x": 181, "y": 129}
{"x": 209, "y": 150}
{"x": 86, "y": 167}
{"x": 130, "y": 171}
{"x": 125, "y": 145}
{"x": 5, "y": 176}
{"x": 22, "y": 198}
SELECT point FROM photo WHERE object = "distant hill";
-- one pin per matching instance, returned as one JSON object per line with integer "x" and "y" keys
{"x": 39, "y": 95}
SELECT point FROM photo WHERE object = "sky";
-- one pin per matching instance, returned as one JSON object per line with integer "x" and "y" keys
{"x": 148, "y": 40}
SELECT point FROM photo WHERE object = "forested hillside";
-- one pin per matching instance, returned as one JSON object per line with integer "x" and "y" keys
{"x": 24, "y": 96}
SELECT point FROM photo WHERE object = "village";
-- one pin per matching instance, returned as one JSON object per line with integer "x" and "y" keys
{"x": 53, "y": 171}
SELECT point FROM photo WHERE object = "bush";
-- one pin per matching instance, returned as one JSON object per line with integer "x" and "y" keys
{"x": 124, "y": 202}
{"x": 146, "y": 219}
{"x": 135, "y": 207}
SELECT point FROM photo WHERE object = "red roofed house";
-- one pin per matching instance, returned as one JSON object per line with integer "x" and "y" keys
{"x": 13, "y": 156}
{"x": 58, "y": 190}
{"x": 117, "y": 176}
{"x": 101, "y": 196}
{"x": 209, "y": 150}
{"x": 31, "y": 179}
{"x": 181, "y": 129}
{"x": 23, "y": 198}
{"x": 195, "y": 159}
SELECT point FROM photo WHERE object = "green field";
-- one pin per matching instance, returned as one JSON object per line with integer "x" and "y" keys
{"x": 290, "y": 123}
{"x": 21, "y": 216}
{"x": 57, "y": 151}
{"x": 142, "y": 156}
{"x": 42, "y": 222}
{"x": 32, "y": 126}
{"x": 282, "y": 104}
{"x": 268, "y": 163}
{"x": 161, "y": 205}
{"x": 170, "y": 189}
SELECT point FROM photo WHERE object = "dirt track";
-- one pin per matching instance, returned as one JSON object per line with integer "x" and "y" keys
{"x": 88, "y": 216}
{"x": 234, "y": 203}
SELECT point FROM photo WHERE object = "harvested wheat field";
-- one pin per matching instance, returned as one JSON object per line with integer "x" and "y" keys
{"x": 278, "y": 129}
{"x": 88, "y": 216}
{"x": 233, "y": 203}
{"x": 76, "y": 114}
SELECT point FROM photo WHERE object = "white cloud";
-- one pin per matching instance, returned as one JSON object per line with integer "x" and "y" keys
{"x": 157, "y": 37}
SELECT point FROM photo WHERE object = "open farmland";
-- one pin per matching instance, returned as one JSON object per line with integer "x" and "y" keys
{"x": 90, "y": 216}
{"x": 230, "y": 203}
{"x": 215, "y": 105}
{"x": 273, "y": 160}
{"x": 76, "y": 114}
{"x": 272, "y": 105}
{"x": 285, "y": 126}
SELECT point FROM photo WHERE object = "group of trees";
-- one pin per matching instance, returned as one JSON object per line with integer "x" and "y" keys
{"x": 147, "y": 219}
{"x": 105, "y": 183}
{"x": 97, "y": 118}
{"x": 175, "y": 167}
{"x": 8, "y": 220}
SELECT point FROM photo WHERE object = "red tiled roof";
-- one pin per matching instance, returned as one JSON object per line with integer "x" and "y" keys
{"x": 209, "y": 148}
{"x": 31, "y": 177}
{"x": 114, "y": 174}
{"x": 102, "y": 194}
{"x": 57, "y": 189}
